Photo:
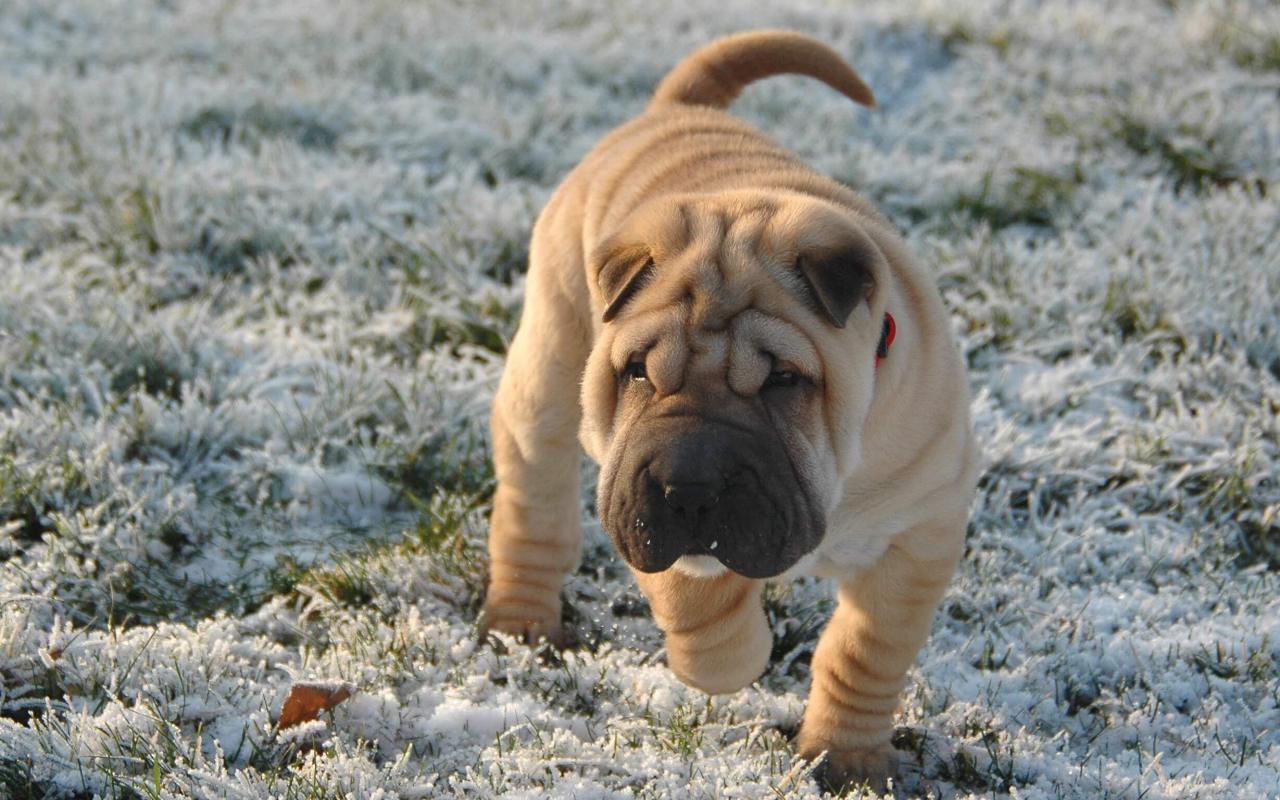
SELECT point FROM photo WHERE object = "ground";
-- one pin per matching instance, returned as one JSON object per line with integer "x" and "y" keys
{"x": 259, "y": 262}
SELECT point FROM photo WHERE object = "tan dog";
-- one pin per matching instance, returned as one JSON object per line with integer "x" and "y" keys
{"x": 704, "y": 313}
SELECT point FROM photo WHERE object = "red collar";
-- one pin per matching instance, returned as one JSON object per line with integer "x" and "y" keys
{"x": 887, "y": 334}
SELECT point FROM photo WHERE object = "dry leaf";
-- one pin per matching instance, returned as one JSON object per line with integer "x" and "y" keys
{"x": 307, "y": 700}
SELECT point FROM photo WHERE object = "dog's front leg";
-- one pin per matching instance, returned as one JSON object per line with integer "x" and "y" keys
{"x": 859, "y": 668}
{"x": 717, "y": 637}
{"x": 535, "y": 536}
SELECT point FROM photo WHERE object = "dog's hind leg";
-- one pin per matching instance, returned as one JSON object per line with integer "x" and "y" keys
{"x": 535, "y": 529}
{"x": 860, "y": 665}
{"x": 717, "y": 637}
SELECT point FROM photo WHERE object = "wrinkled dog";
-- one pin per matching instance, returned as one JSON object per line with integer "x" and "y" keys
{"x": 769, "y": 385}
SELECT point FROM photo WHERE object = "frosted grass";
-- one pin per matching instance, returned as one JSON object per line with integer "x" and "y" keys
{"x": 258, "y": 266}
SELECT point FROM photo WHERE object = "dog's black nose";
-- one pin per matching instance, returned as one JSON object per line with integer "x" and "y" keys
{"x": 691, "y": 498}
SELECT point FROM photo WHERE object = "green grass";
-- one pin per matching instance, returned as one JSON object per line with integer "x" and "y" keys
{"x": 1248, "y": 45}
{"x": 1019, "y": 195}
{"x": 1193, "y": 159}
{"x": 443, "y": 528}
{"x": 250, "y": 126}
{"x": 17, "y": 783}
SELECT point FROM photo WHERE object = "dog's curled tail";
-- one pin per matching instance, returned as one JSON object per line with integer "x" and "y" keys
{"x": 714, "y": 75}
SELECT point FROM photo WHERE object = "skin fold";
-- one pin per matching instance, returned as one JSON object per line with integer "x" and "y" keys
{"x": 702, "y": 314}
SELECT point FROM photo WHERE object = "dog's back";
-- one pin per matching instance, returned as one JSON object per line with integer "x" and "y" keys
{"x": 686, "y": 143}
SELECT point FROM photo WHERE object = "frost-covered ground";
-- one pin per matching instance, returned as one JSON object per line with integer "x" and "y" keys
{"x": 258, "y": 263}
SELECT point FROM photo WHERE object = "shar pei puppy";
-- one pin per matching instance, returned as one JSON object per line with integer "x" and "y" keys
{"x": 768, "y": 382}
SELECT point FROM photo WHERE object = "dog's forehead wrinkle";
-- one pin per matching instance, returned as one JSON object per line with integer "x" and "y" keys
{"x": 742, "y": 241}
{"x": 706, "y": 226}
{"x": 685, "y": 227}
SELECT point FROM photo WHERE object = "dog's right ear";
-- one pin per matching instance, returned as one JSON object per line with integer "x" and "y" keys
{"x": 623, "y": 271}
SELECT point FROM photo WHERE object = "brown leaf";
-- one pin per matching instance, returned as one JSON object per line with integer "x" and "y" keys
{"x": 307, "y": 700}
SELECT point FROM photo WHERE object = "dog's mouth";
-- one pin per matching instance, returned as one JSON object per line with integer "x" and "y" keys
{"x": 661, "y": 548}
{"x": 750, "y": 530}
{"x": 700, "y": 567}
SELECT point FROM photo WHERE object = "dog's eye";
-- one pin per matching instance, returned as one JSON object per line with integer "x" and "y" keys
{"x": 634, "y": 371}
{"x": 782, "y": 379}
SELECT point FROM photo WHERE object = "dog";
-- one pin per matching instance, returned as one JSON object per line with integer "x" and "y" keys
{"x": 769, "y": 385}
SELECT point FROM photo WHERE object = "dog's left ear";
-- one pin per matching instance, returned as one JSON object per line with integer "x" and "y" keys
{"x": 623, "y": 271}
{"x": 839, "y": 278}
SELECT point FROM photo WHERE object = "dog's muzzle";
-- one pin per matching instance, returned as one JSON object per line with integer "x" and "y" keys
{"x": 691, "y": 487}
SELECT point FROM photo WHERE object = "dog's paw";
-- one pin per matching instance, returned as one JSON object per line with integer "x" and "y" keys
{"x": 528, "y": 625}
{"x": 717, "y": 673}
{"x": 841, "y": 770}
{"x": 718, "y": 666}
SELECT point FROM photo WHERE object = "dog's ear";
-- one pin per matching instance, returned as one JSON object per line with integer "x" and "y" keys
{"x": 623, "y": 271}
{"x": 839, "y": 278}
